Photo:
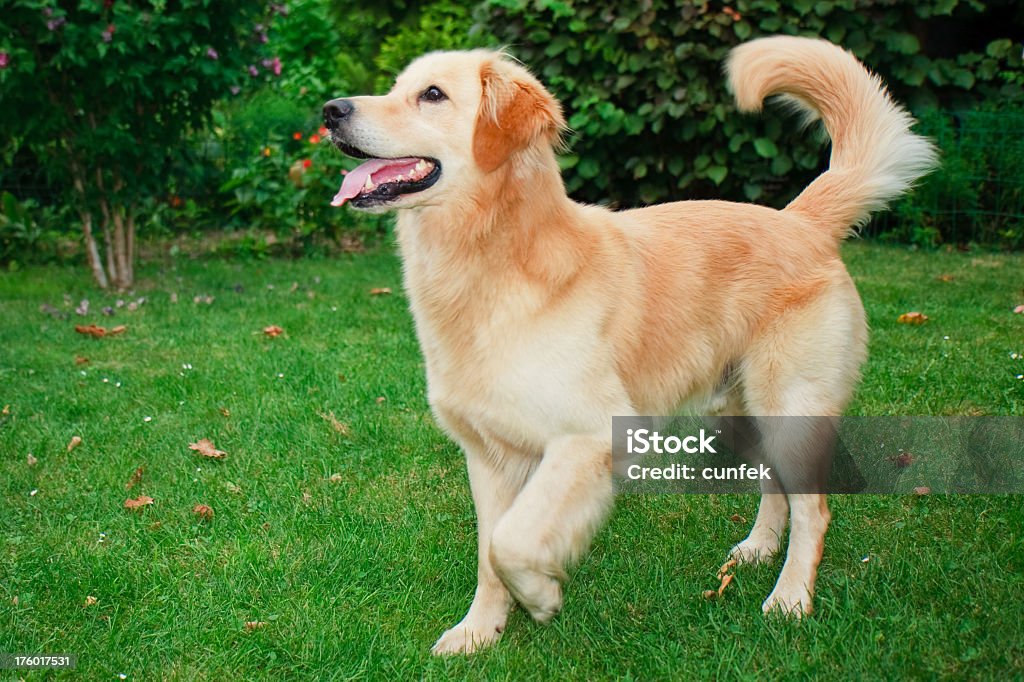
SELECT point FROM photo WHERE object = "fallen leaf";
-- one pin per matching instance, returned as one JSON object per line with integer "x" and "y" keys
{"x": 6, "y": 411}
{"x": 945, "y": 277}
{"x": 255, "y": 625}
{"x": 724, "y": 579}
{"x": 134, "y": 480}
{"x": 119, "y": 329}
{"x": 90, "y": 600}
{"x": 91, "y": 330}
{"x": 736, "y": 518}
{"x": 79, "y": 360}
{"x": 203, "y": 511}
{"x": 381, "y": 399}
{"x": 336, "y": 478}
{"x": 74, "y": 443}
{"x": 139, "y": 502}
{"x": 31, "y": 460}
{"x": 380, "y": 291}
{"x": 232, "y": 488}
{"x": 206, "y": 448}
{"x": 307, "y": 499}
{"x": 922, "y": 490}
{"x": 273, "y": 331}
{"x": 338, "y": 426}
{"x": 902, "y": 460}
{"x": 351, "y": 244}
{"x": 156, "y": 525}
{"x": 225, "y": 411}
{"x": 912, "y": 318}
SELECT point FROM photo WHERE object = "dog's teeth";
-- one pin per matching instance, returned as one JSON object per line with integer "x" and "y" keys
{"x": 421, "y": 165}
{"x": 369, "y": 184}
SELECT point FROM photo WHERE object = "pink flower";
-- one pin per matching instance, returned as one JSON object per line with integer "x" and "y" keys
{"x": 5, "y": 60}
{"x": 273, "y": 65}
{"x": 108, "y": 34}
{"x": 212, "y": 54}
{"x": 253, "y": 71}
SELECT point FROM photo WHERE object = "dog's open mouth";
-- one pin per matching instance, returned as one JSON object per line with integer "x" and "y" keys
{"x": 379, "y": 181}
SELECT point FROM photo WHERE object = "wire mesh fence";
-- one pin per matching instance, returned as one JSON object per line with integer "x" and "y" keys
{"x": 976, "y": 195}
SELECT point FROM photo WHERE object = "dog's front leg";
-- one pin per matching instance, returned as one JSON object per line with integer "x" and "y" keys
{"x": 553, "y": 520}
{"x": 494, "y": 488}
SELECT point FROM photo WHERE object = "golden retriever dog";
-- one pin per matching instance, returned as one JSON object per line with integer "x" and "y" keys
{"x": 541, "y": 318}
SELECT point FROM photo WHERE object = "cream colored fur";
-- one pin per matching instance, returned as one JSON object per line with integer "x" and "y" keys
{"x": 540, "y": 318}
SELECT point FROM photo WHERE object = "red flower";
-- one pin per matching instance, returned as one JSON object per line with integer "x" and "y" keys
{"x": 297, "y": 136}
{"x": 322, "y": 131}
{"x": 314, "y": 139}
{"x": 306, "y": 163}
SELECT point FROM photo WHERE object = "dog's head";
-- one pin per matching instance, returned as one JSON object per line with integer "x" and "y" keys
{"x": 451, "y": 120}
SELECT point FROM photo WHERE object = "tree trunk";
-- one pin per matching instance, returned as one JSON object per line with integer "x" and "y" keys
{"x": 92, "y": 252}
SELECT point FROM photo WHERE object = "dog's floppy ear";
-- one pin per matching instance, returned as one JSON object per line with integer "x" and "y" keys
{"x": 515, "y": 112}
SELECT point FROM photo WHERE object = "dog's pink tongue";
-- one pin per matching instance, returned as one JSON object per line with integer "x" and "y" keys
{"x": 353, "y": 183}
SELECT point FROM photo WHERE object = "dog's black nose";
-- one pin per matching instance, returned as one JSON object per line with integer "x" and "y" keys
{"x": 336, "y": 111}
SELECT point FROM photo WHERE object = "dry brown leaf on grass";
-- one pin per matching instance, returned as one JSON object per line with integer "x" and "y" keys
{"x": 380, "y": 291}
{"x": 922, "y": 490}
{"x": 98, "y": 332}
{"x": 338, "y": 426}
{"x": 336, "y": 478}
{"x": 206, "y": 448}
{"x": 912, "y": 317}
{"x": 90, "y": 601}
{"x": 273, "y": 331}
{"x": 232, "y": 488}
{"x": 80, "y": 360}
{"x": 31, "y": 460}
{"x": 945, "y": 277}
{"x": 6, "y": 411}
{"x": 203, "y": 511}
{"x": 135, "y": 479}
{"x": 138, "y": 503}
{"x": 255, "y": 625}
{"x": 724, "y": 578}
{"x": 224, "y": 411}
{"x": 736, "y": 518}
{"x": 902, "y": 460}
{"x": 74, "y": 442}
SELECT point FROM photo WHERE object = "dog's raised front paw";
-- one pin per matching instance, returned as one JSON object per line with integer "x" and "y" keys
{"x": 465, "y": 638}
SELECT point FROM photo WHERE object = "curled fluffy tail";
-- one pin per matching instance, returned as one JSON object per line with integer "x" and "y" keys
{"x": 875, "y": 157}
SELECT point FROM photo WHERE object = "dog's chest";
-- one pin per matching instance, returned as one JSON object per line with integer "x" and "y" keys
{"x": 521, "y": 381}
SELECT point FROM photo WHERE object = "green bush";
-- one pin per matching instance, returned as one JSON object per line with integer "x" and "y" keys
{"x": 643, "y": 87}
{"x": 978, "y": 195}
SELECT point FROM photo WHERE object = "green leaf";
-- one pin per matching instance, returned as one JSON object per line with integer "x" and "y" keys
{"x": 717, "y": 174}
{"x": 765, "y": 148}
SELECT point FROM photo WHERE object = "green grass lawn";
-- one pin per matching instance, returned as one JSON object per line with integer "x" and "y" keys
{"x": 353, "y": 540}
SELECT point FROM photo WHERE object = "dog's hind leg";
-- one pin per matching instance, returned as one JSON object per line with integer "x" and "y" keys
{"x": 797, "y": 378}
{"x": 553, "y": 520}
{"x": 766, "y": 535}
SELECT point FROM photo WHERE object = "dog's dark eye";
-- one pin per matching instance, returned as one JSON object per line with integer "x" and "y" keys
{"x": 433, "y": 94}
